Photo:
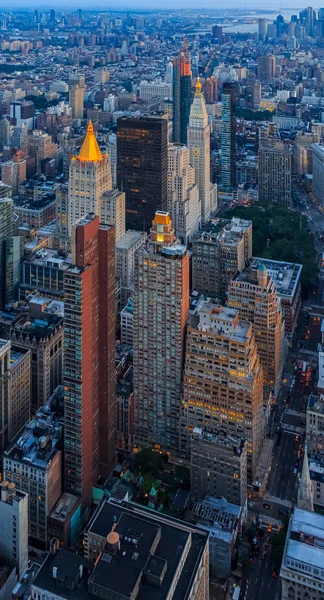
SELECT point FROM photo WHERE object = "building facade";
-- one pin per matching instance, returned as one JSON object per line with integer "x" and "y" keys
{"x": 318, "y": 172}
{"x": 181, "y": 95}
{"x": 113, "y": 211}
{"x": 228, "y": 152}
{"x": 274, "y": 161}
{"x": 89, "y": 357}
{"x": 126, "y": 248}
{"x": 223, "y": 380}
{"x": 14, "y": 526}
{"x": 142, "y": 168}
{"x": 161, "y": 305}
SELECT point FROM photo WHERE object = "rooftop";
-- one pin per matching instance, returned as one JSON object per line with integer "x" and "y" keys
{"x": 64, "y": 507}
{"x": 217, "y": 515}
{"x": 150, "y": 542}
{"x": 47, "y": 257}
{"x": 316, "y": 404}
{"x": 221, "y": 320}
{"x": 237, "y": 444}
{"x": 65, "y": 574}
{"x": 130, "y": 239}
{"x": 90, "y": 151}
{"x": 320, "y": 383}
{"x": 40, "y": 440}
{"x": 285, "y": 276}
{"x": 305, "y": 540}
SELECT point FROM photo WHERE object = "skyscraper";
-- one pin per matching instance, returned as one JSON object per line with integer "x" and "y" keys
{"x": 142, "y": 168}
{"x": 274, "y": 168}
{"x": 253, "y": 294}
{"x": 89, "y": 357}
{"x": 90, "y": 177}
{"x": 183, "y": 194}
{"x": 76, "y": 99}
{"x": 6, "y": 231}
{"x": 266, "y": 68}
{"x": 199, "y": 146}
{"x": 161, "y": 306}
{"x": 228, "y": 163}
{"x": 262, "y": 29}
{"x": 181, "y": 95}
{"x": 222, "y": 387}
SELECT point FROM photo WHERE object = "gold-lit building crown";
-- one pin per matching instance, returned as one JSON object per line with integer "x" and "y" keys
{"x": 198, "y": 86}
{"x": 90, "y": 151}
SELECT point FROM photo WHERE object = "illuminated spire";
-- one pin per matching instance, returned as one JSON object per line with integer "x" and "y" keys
{"x": 90, "y": 151}
{"x": 198, "y": 87}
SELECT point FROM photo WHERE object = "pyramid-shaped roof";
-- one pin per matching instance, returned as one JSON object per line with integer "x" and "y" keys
{"x": 90, "y": 150}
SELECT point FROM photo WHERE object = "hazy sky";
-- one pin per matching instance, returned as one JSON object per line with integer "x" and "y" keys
{"x": 157, "y": 4}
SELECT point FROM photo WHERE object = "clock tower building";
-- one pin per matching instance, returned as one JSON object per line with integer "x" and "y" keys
{"x": 199, "y": 146}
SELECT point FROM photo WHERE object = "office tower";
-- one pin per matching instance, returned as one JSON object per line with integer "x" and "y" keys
{"x": 41, "y": 331}
{"x": 161, "y": 305}
{"x": 126, "y": 249}
{"x": 169, "y": 73}
{"x": 183, "y": 194}
{"x": 112, "y": 150}
{"x": 41, "y": 146}
{"x": 15, "y": 381}
{"x": 262, "y": 29}
{"x": 14, "y": 253}
{"x": 274, "y": 160}
{"x": 14, "y": 527}
{"x": 154, "y": 89}
{"x": 76, "y": 99}
{"x": 89, "y": 357}
{"x": 310, "y": 20}
{"x": 252, "y": 293}
{"x": 223, "y": 380}
{"x": 301, "y": 570}
{"x": 33, "y": 462}
{"x": 113, "y": 211}
{"x": 199, "y": 146}
{"x": 318, "y": 172}
{"x": 142, "y": 168}
{"x": 218, "y": 467}
{"x": 181, "y": 95}
{"x": 159, "y": 551}
{"x": 266, "y": 68}
{"x": 257, "y": 94}
{"x": 6, "y": 232}
{"x": 22, "y": 113}
{"x": 210, "y": 88}
{"x": 228, "y": 157}
{"x": 5, "y": 132}
{"x": 217, "y": 32}
{"x": 90, "y": 177}
{"x": 218, "y": 256}
{"x": 13, "y": 173}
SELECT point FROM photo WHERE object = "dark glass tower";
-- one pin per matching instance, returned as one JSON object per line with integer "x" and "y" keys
{"x": 228, "y": 162}
{"x": 181, "y": 96}
{"x": 142, "y": 168}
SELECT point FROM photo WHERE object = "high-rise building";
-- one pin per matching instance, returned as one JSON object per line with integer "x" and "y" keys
{"x": 252, "y": 293}
{"x": 41, "y": 146}
{"x": 61, "y": 220}
{"x": 14, "y": 527}
{"x": 217, "y": 32}
{"x": 223, "y": 380}
{"x": 262, "y": 29}
{"x": 218, "y": 255}
{"x": 318, "y": 172}
{"x": 301, "y": 570}
{"x": 228, "y": 162}
{"x": 76, "y": 99}
{"x": 41, "y": 332}
{"x": 274, "y": 168}
{"x": 6, "y": 232}
{"x": 266, "y": 68}
{"x": 161, "y": 306}
{"x": 90, "y": 177}
{"x": 142, "y": 168}
{"x": 33, "y": 462}
{"x": 89, "y": 357}
{"x": 315, "y": 427}
{"x": 183, "y": 194}
{"x": 181, "y": 95}
{"x": 210, "y": 87}
{"x": 5, "y": 132}
{"x": 218, "y": 467}
{"x": 113, "y": 211}
{"x": 13, "y": 173}
{"x": 199, "y": 146}
{"x": 15, "y": 380}
{"x": 126, "y": 248}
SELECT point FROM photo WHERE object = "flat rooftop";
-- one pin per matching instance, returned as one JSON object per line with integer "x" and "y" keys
{"x": 285, "y": 276}
{"x": 218, "y": 516}
{"x": 46, "y": 257}
{"x": 316, "y": 404}
{"x": 222, "y": 320}
{"x": 130, "y": 239}
{"x": 146, "y": 534}
{"x": 305, "y": 543}
{"x": 320, "y": 382}
{"x": 237, "y": 444}
{"x": 64, "y": 507}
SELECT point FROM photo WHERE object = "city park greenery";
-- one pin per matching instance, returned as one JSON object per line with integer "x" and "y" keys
{"x": 281, "y": 234}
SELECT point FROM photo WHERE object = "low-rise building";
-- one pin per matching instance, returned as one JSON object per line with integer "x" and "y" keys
{"x": 302, "y": 567}
{"x": 35, "y": 213}
{"x": 316, "y": 473}
{"x": 64, "y": 521}
{"x": 218, "y": 467}
{"x": 223, "y": 521}
{"x": 33, "y": 463}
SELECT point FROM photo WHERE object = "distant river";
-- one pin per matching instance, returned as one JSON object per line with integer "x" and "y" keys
{"x": 253, "y": 27}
